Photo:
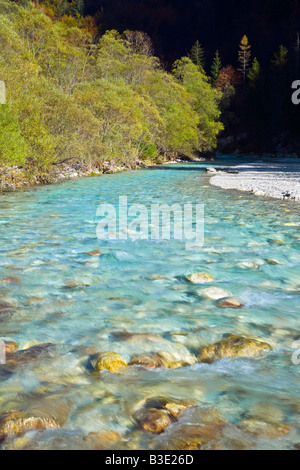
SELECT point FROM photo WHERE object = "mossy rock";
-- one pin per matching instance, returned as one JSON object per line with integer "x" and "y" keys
{"x": 109, "y": 361}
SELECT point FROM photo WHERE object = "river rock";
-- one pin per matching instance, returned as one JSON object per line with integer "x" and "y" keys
{"x": 153, "y": 420}
{"x": 197, "y": 428}
{"x": 276, "y": 241}
{"x": 135, "y": 338}
{"x": 110, "y": 361}
{"x": 16, "y": 424}
{"x": 153, "y": 361}
{"x": 32, "y": 354}
{"x": 94, "y": 253}
{"x": 178, "y": 357}
{"x": 273, "y": 262}
{"x": 173, "y": 406}
{"x": 200, "y": 278}
{"x": 10, "y": 280}
{"x": 233, "y": 346}
{"x": 262, "y": 428}
{"x": 230, "y": 302}
{"x": 5, "y": 307}
{"x": 103, "y": 440}
{"x": 74, "y": 284}
{"x": 213, "y": 293}
{"x": 10, "y": 347}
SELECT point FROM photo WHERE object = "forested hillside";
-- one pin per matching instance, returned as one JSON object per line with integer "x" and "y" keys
{"x": 75, "y": 96}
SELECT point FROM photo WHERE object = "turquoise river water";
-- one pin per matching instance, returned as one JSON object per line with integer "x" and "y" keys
{"x": 80, "y": 303}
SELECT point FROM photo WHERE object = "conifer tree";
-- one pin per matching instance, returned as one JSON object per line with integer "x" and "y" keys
{"x": 216, "y": 68}
{"x": 254, "y": 73}
{"x": 197, "y": 55}
{"x": 280, "y": 58}
{"x": 244, "y": 57}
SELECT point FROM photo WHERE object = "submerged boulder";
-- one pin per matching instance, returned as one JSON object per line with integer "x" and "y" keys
{"x": 110, "y": 361}
{"x": 94, "y": 253}
{"x": 200, "y": 278}
{"x": 230, "y": 302}
{"x": 10, "y": 347}
{"x": 173, "y": 406}
{"x": 261, "y": 428}
{"x": 233, "y": 346}
{"x": 25, "y": 356}
{"x": 198, "y": 428}
{"x": 153, "y": 419}
{"x": 16, "y": 423}
{"x": 213, "y": 293}
{"x": 153, "y": 361}
{"x": 177, "y": 358}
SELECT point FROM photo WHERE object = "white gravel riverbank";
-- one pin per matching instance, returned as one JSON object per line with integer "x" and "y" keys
{"x": 280, "y": 180}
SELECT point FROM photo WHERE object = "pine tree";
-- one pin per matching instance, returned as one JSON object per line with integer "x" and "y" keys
{"x": 280, "y": 58}
{"x": 254, "y": 73}
{"x": 244, "y": 58}
{"x": 197, "y": 55}
{"x": 216, "y": 68}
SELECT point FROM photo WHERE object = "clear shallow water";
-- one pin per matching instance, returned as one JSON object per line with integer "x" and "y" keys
{"x": 45, "y": 235}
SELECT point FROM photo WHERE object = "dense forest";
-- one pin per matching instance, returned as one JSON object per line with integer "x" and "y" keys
{"x": 84, "y": 83}
{"x": 75, "y": 97}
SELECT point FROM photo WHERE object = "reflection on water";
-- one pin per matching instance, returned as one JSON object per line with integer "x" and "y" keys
{"x": 52, "y": 292}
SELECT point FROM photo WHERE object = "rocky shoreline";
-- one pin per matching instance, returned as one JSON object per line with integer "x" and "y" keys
{"x": 268, "y": 178}
{"x": 17, "y": 178}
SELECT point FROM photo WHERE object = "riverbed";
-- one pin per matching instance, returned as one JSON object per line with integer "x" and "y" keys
{"x": 134, "y": 298}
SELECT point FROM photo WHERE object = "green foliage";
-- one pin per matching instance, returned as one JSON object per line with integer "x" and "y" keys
{"x": 254, "y": 73}
{"x": 13, "y": 148}
{"x": 205, "y": 101}
{"x": 280, "y": 58}
{"x": 197, "y": 55}
{"x": 216, "y": 68}
{"x": 71, "y": 99}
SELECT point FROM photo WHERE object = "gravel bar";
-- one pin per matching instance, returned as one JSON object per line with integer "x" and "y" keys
{"x": 279, "y": 180}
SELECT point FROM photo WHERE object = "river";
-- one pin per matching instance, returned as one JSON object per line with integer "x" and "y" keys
{"x": 81, "y": 303}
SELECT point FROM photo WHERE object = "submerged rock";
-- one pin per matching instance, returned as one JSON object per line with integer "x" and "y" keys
{"x": 277, "y": 242}
{"x": 74, "y": 284}
{"x": 16, "y": 424}
{"x": 261, "y": 428}
{"x": 173, "y": 406}
{"x": 136, "y": 337}
{"x": 153, "y": 361}
{"x": 198, "y": 429}
{"x": 94, "y": 253}
{"x": 233, "y": 346}
{"x": 10, "y": 347}
{"x": 213, "y": 293}
{"x": 102, "y": 440}
{"x": 5, "y": 307}
{"x": 110, "y": 361}
{"x": 32, "y": 354}
{"x": 153, "y": 419}
{"x": 10, "y": 280}
{"x": 230, "y": 302}
{"x": 200, "y": 278}
{"x": 176, "y": 359}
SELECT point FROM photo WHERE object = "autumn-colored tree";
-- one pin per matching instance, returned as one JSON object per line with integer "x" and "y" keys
{"x": 229, "y": 76}
{"x": 139, "y": 42}
{"x": 244, "y": 57}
